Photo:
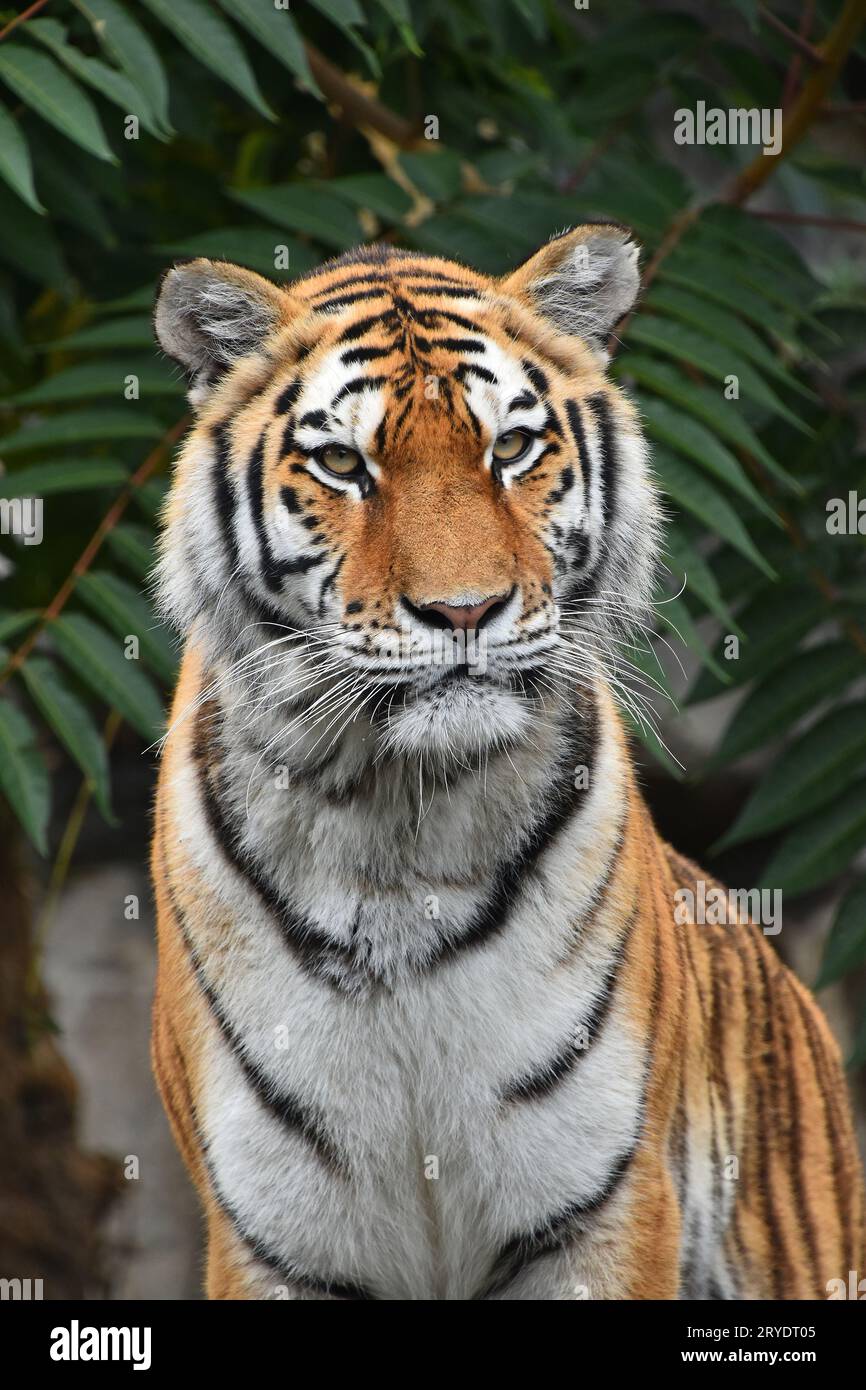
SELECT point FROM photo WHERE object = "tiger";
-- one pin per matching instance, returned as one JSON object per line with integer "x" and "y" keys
{"x": 427, "y": 1024}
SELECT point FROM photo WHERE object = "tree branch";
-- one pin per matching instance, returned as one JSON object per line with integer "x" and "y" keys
{"x": 90, "y": 551}
{"x": 358, "y": 108}
{"x": 22, "y": 17}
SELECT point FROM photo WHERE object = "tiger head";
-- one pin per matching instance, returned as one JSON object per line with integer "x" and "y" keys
{"x": 420, "y": 474}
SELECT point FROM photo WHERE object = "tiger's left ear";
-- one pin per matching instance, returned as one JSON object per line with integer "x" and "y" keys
{"x": 584, "y": 281}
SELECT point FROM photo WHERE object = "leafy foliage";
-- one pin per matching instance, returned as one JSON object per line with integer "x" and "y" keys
{"x": 133, "y": 134}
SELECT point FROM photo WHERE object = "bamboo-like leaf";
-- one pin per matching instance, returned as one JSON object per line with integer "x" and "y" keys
{"x": 132, "y": 49}
{"x": 725, "y": 328}
{"x": 70, "y": 719}
{"x": 809, "y": 773}
{"x": 23, "y": 776}
{"x": 672, "y": 427}
{"x": 773, "y": 623}
{"x": 113, "y": 85}
{"x": 133, "y": 546}
{"x": 104, "y": 378}
{"x": 43, "y": 85}
{"x": 128, "y": 612}
{"x": 82, "y": 427}
{"x": 702, "y": 498}
{"x": 821, "y": 846}
{"x": 132, "y": 332}
{"x": 301, "y": 207}
{"x": 705, "y": 403}
{"x": 203, "y": 31}
{"x": 278, "y": 32}
{"x": 97, "y": 659}
{"x": 256, "y": 247}
{"x": 686, "y": 345}
{"x": 63, "y": 475}
{"x": 15, "y": 164}
{"x": 786, "y": 695}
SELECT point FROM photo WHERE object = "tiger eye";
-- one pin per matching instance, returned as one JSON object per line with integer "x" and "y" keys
{"x": 511, "y": 445}
{"x": 340, "y": 460}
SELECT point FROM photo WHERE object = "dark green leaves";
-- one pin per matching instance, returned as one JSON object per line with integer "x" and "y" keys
{"x": 99, "y": 662}
{"x": 43, "y": 85}
{"x": 23, "y": 776}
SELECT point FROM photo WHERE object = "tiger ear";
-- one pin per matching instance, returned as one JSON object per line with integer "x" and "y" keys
{"x": 210, "y": 313}
{"x": 584, "y": 280}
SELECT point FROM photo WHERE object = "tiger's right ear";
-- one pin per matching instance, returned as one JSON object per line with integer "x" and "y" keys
{"x": 208, "y": 314}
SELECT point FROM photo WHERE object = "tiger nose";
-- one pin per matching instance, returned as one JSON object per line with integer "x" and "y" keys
{"x": 462, "y": 617}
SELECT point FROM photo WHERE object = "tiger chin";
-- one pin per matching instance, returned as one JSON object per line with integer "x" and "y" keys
{"x": 425, "y": 1024}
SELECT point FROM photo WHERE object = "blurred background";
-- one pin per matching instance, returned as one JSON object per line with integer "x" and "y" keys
{"x": 276, "y": 135}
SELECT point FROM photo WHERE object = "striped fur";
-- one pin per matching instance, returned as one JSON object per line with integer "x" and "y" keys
{"x": 425, "y": 1025}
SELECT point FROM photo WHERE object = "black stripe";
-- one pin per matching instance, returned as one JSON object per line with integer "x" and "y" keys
{"x": 450, "y": 291}
{"x": 537, "y": 377}
{"x": 539, "y": 1082}
{"x": 357, "y": 330}
{"x": 555, "y": 1233}
{"x": 366, "y": 354}
{"x": 341, "y": 300}
{"x": 224, "y": 494}
{"x": 290, "y": 1112}
{"x": 313, "y": 949}
{"x": 491, "y": 917}
{"x": 457, "y": 344}
{"x": 315, "y": 419}
{"x": 465, "y": 369}
{"x": 600, "y": 407}
{"x": 287, "y": 397}
{"x": 273, "y": 570}
{"x": 524, "y": 401}
{"x": 357, "y": 384}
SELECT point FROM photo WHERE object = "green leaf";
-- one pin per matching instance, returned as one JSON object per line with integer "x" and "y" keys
{"x": 695, "y": 441}
{"x": 306, "y": 208}
{"x": 110, "y": 83}
{"x": 688, "y": 565}
{"x": 774, "y": 622}
{"x": 702, "y": 498}
{"x": 133, "y": 545}
{"x": 398, "y": 12}
{"x": 98, "y": 660}
{"x": 23, "y": 777}
{"x": 704, "y": 402}
{"x": 821, "y": 846}
{"x": 858, "y": 1056}
{"x": 375, "y": 191}
{"x": 676, "y": 616}
{"x": 12, "y": 623}
{"x": 104, "y": 378}
{"x": 80, "y": 427}
{"x": 255, "y": 247}
{"x": 438, "y": 174}
{"x": 724, "y": 328}
{"x": 63, "y": 475}
{"x": 15, "y": 164}
{"x": 132, "y": 49}
{"x": 128, "y": 612}
{"x": 151, "y": 495}
{"x": 133, "y": 332}
{"x": 28, "y": 243}
{"x": 71, "y": 721}
{"x": 342, "y": 12}
{"x": 207, "y": 36}
{"x": 810, "y": 772}
{"x": 785, "y": 695}
{"x": 686, "y": 345}
{"x": 42, "y": 85}
{"x": 277, "y": 31}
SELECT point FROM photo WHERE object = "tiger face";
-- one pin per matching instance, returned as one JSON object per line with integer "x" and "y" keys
{"x": 420, "y": 474}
